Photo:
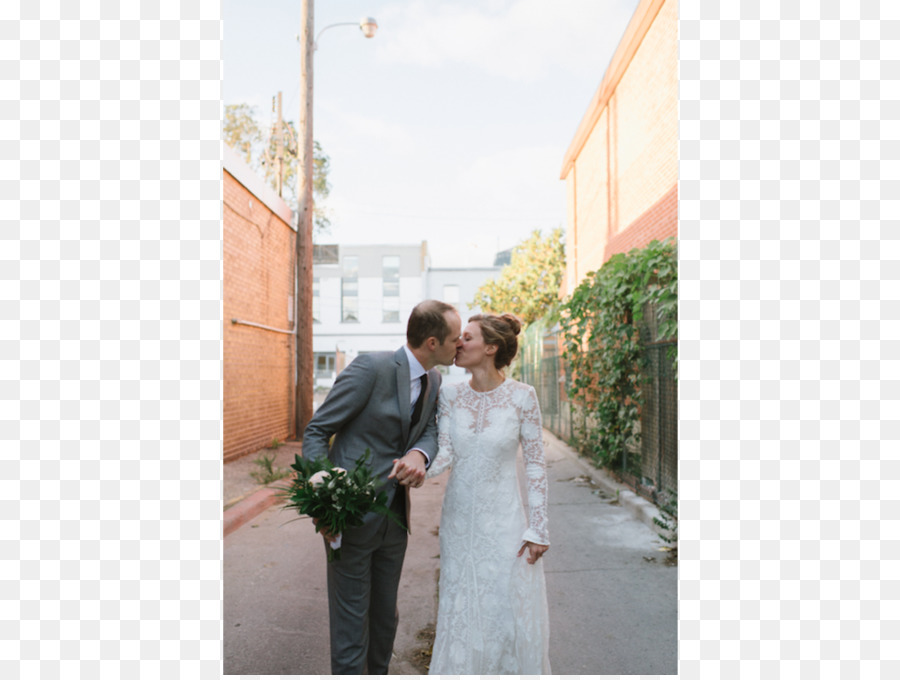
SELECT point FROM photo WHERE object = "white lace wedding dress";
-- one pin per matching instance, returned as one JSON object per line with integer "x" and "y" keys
{"x": 492, "y": 612}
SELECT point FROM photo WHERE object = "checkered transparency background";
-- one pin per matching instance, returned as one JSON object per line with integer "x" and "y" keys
{"x": 110, "y": 291}
{"x": 110, "y": 325}
{"x": 789, "y": 340}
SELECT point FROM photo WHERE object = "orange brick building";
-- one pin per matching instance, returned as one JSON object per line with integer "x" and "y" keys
{"x": 621, "y": 168}
{"x": 258, "y": 312}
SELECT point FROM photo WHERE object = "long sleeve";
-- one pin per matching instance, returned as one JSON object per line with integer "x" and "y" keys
{"x": 531, "y": 439}
{"x": 346, "y": 400}
{"x": 445, "y": 455}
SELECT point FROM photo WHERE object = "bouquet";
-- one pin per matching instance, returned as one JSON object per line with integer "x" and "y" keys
{"x": 337, "y": 498}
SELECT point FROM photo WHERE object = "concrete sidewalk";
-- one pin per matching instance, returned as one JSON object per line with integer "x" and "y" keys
{"x": 612, "y": 596}
{"x": 275, "y": 597}
{"x": 244, "y": 496}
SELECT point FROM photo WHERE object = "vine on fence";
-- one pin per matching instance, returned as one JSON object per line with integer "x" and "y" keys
{"x": 602, "y": 343}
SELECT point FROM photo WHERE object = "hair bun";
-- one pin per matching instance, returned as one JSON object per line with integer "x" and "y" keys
{"x": 513, "y": 322}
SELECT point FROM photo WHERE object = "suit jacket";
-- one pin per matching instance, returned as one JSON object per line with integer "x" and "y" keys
{"x": 368, "y": 408}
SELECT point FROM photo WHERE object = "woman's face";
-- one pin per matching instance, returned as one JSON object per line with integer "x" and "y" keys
{"x": 473, "y": 351}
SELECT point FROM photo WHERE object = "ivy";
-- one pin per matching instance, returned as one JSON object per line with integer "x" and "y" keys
{"x": 602, "y": 345}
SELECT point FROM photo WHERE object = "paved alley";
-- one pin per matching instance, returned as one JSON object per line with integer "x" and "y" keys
{"x": 613, "y": 599}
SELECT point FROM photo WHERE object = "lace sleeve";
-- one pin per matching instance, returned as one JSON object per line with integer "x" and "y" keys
{"x": 531, "y": 439}
{"x": 444, "y": 458}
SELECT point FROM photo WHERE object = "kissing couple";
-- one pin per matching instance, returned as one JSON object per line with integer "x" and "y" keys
{"x": 492, "y": 609}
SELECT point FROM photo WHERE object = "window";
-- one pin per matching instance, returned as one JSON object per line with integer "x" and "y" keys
{"x": 327, "y": 254}
{"x": 390, "y": 276}
{"x": 391, "y": 310}
{"x": 350, "y": 289}
{"x": 324, "y": 365}
{"x": 451, "y": 295}
{"x": 316, "y": 301}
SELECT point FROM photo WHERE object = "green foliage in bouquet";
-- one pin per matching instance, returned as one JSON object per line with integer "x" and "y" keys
{"x": 336, "y": 497}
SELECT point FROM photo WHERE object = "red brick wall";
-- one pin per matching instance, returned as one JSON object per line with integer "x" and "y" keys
{"x": 658, "y": 222}
{"x": 258, "y": 272}
{"x": 621, "y": 170}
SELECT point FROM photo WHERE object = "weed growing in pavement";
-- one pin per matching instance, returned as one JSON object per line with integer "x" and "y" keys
{"x": 267, "y": 473}
{"x": 668, "y": 509}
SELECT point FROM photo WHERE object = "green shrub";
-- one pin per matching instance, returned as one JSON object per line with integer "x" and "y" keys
{"x": 601, "y": 326}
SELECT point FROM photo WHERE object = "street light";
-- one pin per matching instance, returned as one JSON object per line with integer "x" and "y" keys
{"x": 367, "y": 25}
{"x": 304, "y": 325}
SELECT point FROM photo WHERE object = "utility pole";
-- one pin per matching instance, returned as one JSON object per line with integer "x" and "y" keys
{"x": 279, "y": 146}
{"x": 303, "y": 322}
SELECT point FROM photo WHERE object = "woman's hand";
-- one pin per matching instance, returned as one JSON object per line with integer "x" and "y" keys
{"x": 535, "y": 550}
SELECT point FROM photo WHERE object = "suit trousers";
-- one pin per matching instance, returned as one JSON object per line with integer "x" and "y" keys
{"x": 362, "y": 597}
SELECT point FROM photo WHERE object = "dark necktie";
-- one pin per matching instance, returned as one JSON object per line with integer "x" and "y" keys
{"x": 417, "y": 409}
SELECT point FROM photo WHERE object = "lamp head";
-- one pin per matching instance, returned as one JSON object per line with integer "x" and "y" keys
{"x": 368, "y": 26}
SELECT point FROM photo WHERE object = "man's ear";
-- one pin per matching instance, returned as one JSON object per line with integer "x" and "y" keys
{"x": 431, "y": 343}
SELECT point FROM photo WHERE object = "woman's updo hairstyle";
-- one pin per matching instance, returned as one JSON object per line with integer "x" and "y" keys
{"x": 500, "y": 330}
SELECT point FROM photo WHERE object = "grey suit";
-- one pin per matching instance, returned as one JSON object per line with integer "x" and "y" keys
{"x": 369, "y": 408}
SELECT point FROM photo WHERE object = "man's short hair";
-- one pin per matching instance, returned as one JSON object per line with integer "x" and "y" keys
{"x": 427, "y": 320}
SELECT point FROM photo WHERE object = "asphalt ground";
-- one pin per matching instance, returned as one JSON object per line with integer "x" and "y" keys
{"x": 612, "y": 588}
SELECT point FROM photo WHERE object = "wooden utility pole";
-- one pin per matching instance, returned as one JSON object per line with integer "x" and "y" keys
{"x": 279, "y": 147}
{"x": 304, "y": 324}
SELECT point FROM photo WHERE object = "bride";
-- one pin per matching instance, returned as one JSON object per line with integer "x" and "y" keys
{"x": 492, "y": 611}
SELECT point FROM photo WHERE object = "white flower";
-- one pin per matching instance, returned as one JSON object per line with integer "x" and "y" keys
{"x": 318, "y": 478}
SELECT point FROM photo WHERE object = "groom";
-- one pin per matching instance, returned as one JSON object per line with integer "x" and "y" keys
{"x": 384, "y": 402}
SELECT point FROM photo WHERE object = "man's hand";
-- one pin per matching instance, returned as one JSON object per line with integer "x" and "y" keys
{"x": 535, "y": 551}
{"x": 331, "y": 538}
{"x": 409, "y": 470}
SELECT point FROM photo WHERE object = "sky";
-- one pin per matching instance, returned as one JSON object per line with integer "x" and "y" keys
{"x": 449, "y": 126}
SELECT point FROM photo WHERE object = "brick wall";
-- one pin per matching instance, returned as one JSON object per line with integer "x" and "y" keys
{"x": 258, "y": 258}
{"x": 657, "y": 222}
{"x": 621, "y": 170}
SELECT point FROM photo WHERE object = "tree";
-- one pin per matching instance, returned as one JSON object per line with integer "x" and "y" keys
{"x": 321, "y": 168}
{"x": 243, "y": 133}
{"x": 529, "y": 285}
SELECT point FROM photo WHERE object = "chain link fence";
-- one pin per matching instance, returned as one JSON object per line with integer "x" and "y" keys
{"x": 651, "y": 466}
{"x": 542, "y": 366}
{"x": 657, "y": 472}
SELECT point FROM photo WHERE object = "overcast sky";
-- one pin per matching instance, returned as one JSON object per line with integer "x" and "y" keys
{"x": 450, "y": 125}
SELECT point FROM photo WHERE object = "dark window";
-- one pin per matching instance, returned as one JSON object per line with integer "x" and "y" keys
{"x": 350, "y": 289}
{"x": 390, "y": 289}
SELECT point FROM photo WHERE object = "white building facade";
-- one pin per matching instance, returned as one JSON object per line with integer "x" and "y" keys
{"x": 363, "y": 295}
{"x": 457, "y": 286}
